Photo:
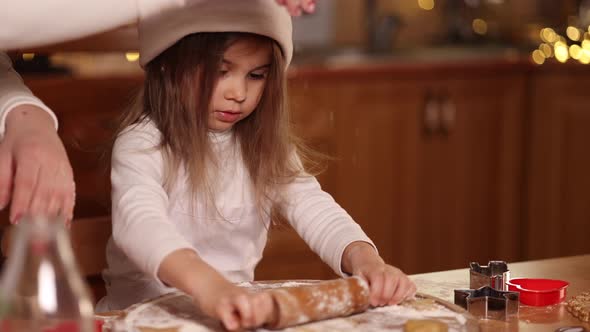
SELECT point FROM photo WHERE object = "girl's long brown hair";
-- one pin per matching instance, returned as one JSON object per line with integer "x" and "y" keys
{"x": 176, "y": 96}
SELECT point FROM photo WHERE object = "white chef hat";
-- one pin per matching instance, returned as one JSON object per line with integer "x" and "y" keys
{"x": 263, "y": 17}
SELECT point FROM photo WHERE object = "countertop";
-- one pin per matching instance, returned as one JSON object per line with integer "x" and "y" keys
{"x": 574, "y": 269}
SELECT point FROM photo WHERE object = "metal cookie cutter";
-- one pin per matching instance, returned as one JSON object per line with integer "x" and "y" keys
{"x": 495, "y": 275}
{"x": 488, "y": 303}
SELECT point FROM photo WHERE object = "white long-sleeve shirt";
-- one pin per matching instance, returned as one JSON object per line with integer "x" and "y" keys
{"x": 13, "y": 93}
{"x": 150, "y": 222}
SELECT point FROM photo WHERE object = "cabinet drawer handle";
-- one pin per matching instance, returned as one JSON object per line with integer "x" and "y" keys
{"x": 431, "y": 121}
{"x": 448, "y": 114}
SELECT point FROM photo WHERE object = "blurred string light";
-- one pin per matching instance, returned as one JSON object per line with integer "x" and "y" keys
{"x": 576, "y": 52}
{"x": 538, "y": 57}
{"x": 573, "y": 33}
{"x": 576, "y": 46}
{"x": 426, "y": 4}
{"x": 561, "y": 52}
{"x": 28, "y": 56}
{"x": 548, "y": 35}
{"x": 479, "y": 26}
{"x": 132, "y": 56}
{"x": 546, "y": 49}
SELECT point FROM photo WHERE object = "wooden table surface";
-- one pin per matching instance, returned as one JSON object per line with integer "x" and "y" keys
{"x": 575, "y": 269}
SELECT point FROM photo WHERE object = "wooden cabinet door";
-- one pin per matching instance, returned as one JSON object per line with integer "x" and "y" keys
{"x": 459, "y": 199}
{"x": 370, "y": 124}
{"x": 558, "y": 167}
{"x": 480, "y": 170}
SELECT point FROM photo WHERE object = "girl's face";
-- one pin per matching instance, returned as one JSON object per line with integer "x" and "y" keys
{"x": 241, "y": 81}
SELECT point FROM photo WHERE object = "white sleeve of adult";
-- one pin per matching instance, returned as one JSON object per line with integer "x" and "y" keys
{"x": 36, "y": 23}
{"x": 141, "y": 226}
{"x": 325, "y": 226}
{"x": 13, "y": 93}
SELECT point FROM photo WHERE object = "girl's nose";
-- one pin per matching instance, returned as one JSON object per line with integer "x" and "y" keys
{"x": 236, "y": 90}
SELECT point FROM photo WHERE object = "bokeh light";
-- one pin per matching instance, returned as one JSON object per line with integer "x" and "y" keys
{"x": 426, "y": 4}
{"x": 480, "y": 26}
{"x": 538, "y": 57}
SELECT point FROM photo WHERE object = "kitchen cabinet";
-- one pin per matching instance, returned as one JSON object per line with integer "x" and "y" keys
{"x": 433, "y": 191}
{"x": 458, "y": 199}
{"x": 558, "y": 163}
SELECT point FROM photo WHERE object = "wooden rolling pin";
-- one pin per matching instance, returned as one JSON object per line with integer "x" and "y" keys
{"x": 327, "y": 299}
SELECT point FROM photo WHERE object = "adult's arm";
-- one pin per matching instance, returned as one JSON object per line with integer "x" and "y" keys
{"x": 26, "y": 24}
{"x": 13, "y": 93}
{"x": 35, "y": 174}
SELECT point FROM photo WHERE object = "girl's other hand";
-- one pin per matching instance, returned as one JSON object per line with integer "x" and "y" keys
{"x": 387, "y": 284}
{"x": 297, "y": 7}
{"x": 237, "y": 308}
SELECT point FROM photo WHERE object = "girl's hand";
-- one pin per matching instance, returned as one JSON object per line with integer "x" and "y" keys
{"x": 234, "y": 306}
{"x": 35, "y": 173}
{"x": 238, "y": 308}
{"x": 297, "y": 7}
{"x": 387, "y": 284}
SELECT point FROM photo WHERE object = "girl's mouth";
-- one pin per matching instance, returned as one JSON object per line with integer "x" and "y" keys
{"x": 227, "y": 116}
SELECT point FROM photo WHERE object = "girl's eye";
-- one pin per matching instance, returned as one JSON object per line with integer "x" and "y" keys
{"x": 223, "y": 72}
{"x": 258, "y": 76}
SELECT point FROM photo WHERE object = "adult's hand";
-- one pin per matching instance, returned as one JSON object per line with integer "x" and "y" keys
{"x": 297, "y": 7}
{"x": 35, "y": 173}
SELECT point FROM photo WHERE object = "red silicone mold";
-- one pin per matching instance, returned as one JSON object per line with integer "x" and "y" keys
{"x": 539, "y": 292}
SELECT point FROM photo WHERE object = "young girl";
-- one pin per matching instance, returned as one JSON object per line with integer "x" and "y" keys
{"x": 207, "y": 160}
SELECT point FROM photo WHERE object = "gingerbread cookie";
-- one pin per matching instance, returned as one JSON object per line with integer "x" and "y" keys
{"x": 579, "y": 306}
